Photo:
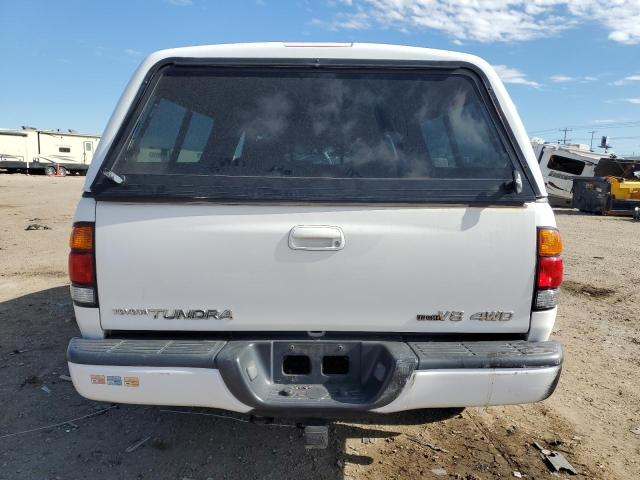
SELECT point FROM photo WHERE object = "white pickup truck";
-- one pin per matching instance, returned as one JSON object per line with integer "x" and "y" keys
{"x": 307, "y": 230}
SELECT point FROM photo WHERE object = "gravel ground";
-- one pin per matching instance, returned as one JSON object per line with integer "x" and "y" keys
{"x": 589, "y": 419}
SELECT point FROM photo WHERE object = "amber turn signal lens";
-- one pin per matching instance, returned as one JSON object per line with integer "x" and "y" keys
{"x": 81, "y": 237}
{"x": 549, "y": 242}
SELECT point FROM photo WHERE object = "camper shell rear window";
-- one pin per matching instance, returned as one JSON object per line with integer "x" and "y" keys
{"x": 313, "y": 134}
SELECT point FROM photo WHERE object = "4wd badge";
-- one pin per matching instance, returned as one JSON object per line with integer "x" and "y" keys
{"x": 498, "y": 316}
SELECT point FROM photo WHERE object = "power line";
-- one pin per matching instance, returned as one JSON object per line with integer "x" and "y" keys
{"x": 627, "y": 124}
{"x": 632, "y": 137}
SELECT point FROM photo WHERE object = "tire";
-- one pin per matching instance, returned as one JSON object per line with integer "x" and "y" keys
{"x": 50, "y": 171}
{"x": 62, "y": 172}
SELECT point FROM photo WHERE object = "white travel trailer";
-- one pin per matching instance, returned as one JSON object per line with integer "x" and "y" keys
{"x": 560, "y": 164}
{"x": 46, "y": 151}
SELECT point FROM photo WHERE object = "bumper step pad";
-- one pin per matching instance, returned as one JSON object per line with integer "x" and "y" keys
{"x": 515, "y": 354}
{"x": 144, "y": 353}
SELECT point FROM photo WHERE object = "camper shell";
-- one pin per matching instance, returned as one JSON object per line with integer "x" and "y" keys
{"x": 31, "y": 150}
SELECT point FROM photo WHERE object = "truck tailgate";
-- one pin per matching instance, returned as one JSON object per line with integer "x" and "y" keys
{"x": 396, "y": 269}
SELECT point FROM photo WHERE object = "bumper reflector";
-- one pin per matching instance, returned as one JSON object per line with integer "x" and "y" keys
{"x": 546, "y": 299}
{"x": 83, "y": 295}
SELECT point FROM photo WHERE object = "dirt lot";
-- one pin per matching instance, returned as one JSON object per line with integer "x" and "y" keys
{"x": 589, "y": 418}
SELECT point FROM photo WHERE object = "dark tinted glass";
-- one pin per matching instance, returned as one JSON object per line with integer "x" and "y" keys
{"x": 566, "y": 165}
{"x": 312, "y": 127}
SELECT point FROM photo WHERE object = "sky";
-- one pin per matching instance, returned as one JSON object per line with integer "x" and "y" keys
{"x": 566, "y": 63}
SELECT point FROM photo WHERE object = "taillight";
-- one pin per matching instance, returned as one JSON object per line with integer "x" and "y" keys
{"x": 549, "y": 272}
{"x": 82, "y": 265}
{"x": 81, "y": 268}
{"x": 549, "y": 269}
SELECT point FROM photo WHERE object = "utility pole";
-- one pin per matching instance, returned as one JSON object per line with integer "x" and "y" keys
{"x": 593, "y": 132}
{"x": 565, "y": 130}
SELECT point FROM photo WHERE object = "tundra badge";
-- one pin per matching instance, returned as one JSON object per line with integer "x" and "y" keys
{"x": 176, "y": 314}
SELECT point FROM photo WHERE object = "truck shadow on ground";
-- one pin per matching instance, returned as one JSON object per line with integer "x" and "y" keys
{"x": 570, "y": 211}
{"x": 130, "y": 441}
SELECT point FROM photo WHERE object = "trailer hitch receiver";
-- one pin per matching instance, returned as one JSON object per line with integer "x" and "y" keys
{"x": 316, "y": 436}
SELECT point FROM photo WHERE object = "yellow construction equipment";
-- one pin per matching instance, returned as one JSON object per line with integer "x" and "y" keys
{"x": 624, "y": 189}
{"x": 607, "y": 195}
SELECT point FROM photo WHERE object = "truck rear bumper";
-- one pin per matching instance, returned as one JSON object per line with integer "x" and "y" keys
{"x": 475, "y": 388}
{"x": 251, "y": 376}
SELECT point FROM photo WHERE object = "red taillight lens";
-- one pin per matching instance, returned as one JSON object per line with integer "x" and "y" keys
{"x": 81, "y": 268}
{"x": 549, "y": 272}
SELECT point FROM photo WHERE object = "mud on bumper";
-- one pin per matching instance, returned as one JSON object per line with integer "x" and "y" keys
{"x": 314, "y": 377}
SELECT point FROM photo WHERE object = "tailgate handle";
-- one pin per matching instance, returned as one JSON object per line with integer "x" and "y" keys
{"x": 316, "y": 237}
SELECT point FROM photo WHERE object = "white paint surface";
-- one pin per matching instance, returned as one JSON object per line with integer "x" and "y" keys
{"x": 474, "y": 388}
{"x": 189, "y": 387}
{"x": 397, "y": 262}
{"x": 200, "y": 387}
